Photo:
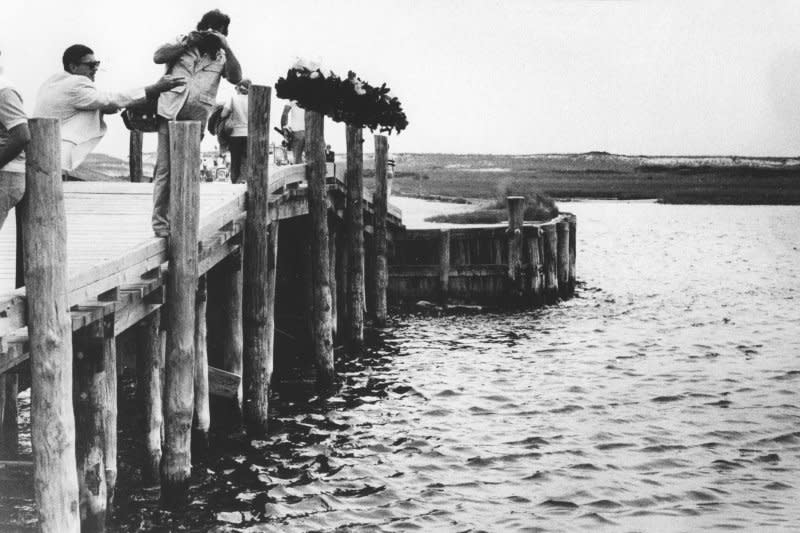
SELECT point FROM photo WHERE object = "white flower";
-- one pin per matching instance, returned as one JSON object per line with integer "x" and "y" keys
{"x": 302, "y": 63}
{"x": 359, "y": 87}
{"x": 314, "y": 75}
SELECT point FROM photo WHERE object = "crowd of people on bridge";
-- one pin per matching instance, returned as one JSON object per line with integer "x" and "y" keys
{"x": 195, "y": 64}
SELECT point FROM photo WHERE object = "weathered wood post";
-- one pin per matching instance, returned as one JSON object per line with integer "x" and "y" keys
{"x": 176, "y": 463}
{"x": 334, "y": 283}
{"x": 322, "y": 316}
{"x": 444, "y": 266}
{"x": 516, "y": 213}
{"x": 230, "y": 323}
{"x": 537, "y": 266}
{"x": 9, "y": 431}
{"x": 50, "y": 332}
{"x": 380, "y": 207}
{"x": 573, "y": 252}
{"x": 149, "y": 362}
{"x": 354, "y": 228}
{"x": 108, "y": 345}
{"x": 135, "y": 156}
{"x": 562, "y": 232}
{"x": 550, "y": 248}
{"x": 202, "y": 408}
{"x": 258, "y": 320}
{"x": 91, "y": 396}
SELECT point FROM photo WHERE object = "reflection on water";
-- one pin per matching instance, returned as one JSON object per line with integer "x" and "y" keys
{"x": 664, "y": 397}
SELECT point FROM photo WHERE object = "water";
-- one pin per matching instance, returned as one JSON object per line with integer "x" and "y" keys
{"x": 664, "y": 397}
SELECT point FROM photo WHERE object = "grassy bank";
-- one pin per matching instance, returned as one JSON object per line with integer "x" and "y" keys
{"x": 598, "y": 175}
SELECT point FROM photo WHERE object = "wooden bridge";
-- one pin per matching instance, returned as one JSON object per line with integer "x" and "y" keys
{"x": 214, "y": 293}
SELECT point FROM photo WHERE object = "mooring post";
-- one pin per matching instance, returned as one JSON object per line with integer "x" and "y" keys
{"x": 562, "y": 232}
{"x": 380, "y": 208}
{"x": 257, "y": 302}
{"x": 50, "y": 332}
{"x": 322, "y": 321}
{"x": 230, "y": 323}
{"x": 537, "y": 266}
{"x": 516, "y": 213}
{"x": 334, "y": 283}
{"x": 135, "y": 156}
{"x": 9, "y": 431}
{"x": 176, "y": 463}
{"x": 202, "y": 409}
{"x": 444, "y": 266}
{"x": 573, "y": 252}
{"x": 550, "y": 248}
{"x": 91, "y": 395}
{"x": 109, "y": 402}
{"x": 149, "y": 362}
{"x": 354, "y": 227}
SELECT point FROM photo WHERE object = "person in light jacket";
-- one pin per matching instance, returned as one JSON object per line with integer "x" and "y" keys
{"x": 72, "y": 97}
{"x": 203, "y": 57}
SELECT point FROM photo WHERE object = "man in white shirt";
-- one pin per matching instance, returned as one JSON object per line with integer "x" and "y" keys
{"x": 14, "y": 136}
{"x": 72, "y": 97}
{"x": 236, "y": 112}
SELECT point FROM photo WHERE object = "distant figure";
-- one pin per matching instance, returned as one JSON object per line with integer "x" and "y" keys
{"x": 330, "y": 155}
{"x": 71, "y": 96}
{"x": 389, "y": 177}
{"x": 293, "y": 119}
{"x": 14, "y": 136}
{"x": 236, "y": 112}
{"x": 204, "y": 58}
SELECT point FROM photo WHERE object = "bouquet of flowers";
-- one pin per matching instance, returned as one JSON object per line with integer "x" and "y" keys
{"x": 351, "y": 100}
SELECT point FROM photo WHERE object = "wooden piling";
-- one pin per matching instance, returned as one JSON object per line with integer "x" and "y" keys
{"x": 105, "y": 335}
{"x": 202, "y": 409}
{"x": 562, "y": 231}
{"x": 49, "y": 331}
{"x": 257, "y": 302}
{"x": 230, "y": 321}
{"x": 354, "y": 228}
{"x": 516, "y": 212}
{"x": 444, "y": 266}
{"x": 149, "y": 364}
{"x": 322, "y": 322}
{"x": 573, "y": 252}
{"x": 9, "y": 431}
{"x": 334, "y": 283}
{"x": 537, "y": 266}
{"x": 380, "y": 208}
{"x": 550, "y": 259}
{"x": 91, "y": 395}
{"x": 135, "y": 156}
{"x": 176, "y": 462}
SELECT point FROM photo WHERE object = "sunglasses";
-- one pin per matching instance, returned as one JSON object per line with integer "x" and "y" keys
{"x": 93, "y": 64}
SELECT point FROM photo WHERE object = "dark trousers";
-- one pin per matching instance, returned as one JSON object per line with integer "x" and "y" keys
{"x": 238, "y": 149}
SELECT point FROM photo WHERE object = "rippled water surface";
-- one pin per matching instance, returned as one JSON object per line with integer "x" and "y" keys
{"x": 664, "y": 397}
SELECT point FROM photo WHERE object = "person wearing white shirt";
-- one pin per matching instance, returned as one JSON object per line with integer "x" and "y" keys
{"x": 72, "y": 97}
{"x": 235, "y": 110}
{"x": 14, "y": 136}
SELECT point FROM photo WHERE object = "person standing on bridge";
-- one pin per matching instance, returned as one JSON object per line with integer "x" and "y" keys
{"x": 236, "y": 112}
{"x": 72, "y": 97}
{"x": 14, "y": 136}
{"x": 203, "y": 57}
{"x": 293, "y": 120}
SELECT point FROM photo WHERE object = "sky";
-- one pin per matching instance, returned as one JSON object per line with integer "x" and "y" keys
{"x": 664, "y": 77}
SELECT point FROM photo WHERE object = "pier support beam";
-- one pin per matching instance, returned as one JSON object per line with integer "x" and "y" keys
{"x": 202, "y": 409}
{"x": 562, "y": 231}
{"x": 322, "y": 316}
{"x": 537, "y": 266}
{"x": 135, "y": 156}
{"x": 176, "y": 462}
{"x": 444, "y": 266}
{"x": 516, "y": 213}
{"x": 380, "y": 269}
{"x": 149, "y": 362}
{"x": 550, "y": 248}
{"x": 258, "y": 298}
{"x": 91, "y": 395}
{"x": 50, "y": 332}
{"x": 354, "y": 228}
{"x": 227, "y": 291}
{"x": 573, "y": 252}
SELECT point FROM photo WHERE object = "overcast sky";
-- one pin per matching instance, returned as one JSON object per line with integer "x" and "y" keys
{"x": 524, "y": 76}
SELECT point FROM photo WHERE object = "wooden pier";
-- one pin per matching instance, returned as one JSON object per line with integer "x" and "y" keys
{"x": 298, "y": 255}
